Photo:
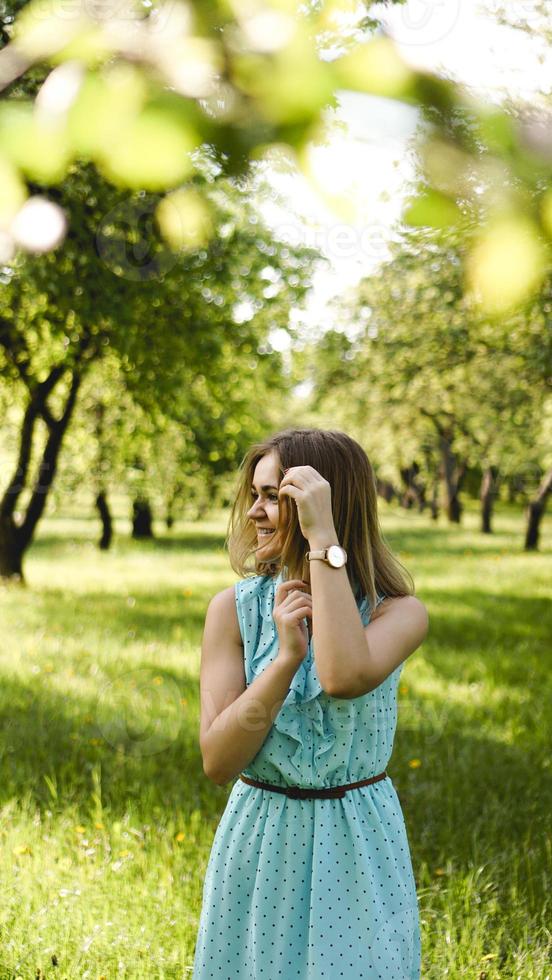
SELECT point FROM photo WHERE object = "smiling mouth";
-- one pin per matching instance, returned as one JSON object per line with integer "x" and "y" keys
{"x": 264, "y": 533}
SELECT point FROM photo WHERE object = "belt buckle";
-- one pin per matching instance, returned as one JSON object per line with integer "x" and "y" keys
{"x": 305, "y": 793}
{"x": 298, "y": 792}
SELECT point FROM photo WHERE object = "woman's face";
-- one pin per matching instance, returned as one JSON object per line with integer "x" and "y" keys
{"x": 264, "y": 503}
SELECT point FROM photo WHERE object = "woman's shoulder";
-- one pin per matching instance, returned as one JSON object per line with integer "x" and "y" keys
{"x": 408, "y": 602}
{"x": 222, "y": 608}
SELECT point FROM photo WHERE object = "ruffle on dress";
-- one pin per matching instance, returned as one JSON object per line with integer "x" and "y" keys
{"x": 306, "y": 698}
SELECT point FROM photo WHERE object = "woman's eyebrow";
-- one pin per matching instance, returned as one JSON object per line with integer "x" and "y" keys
{"x": 266, "y": 487}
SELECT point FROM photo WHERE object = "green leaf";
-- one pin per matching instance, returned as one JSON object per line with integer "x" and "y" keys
{"x": 37, "y": 144}
{"x": 291, "y": 85}
{"x": 152, "y": 152}
{"x": 105, "y": 103}
{"x": 13, "y": 192}
{"x": 376, "y": 67}
{"x": 184, "y": 219}
{"x": 507, "y": 263}
{"x": 432, "y": 209}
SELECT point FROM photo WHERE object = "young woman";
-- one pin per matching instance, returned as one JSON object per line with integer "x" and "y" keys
{"x": 310, "y": 873}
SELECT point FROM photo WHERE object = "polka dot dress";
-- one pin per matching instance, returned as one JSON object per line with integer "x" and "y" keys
{"x": 319, "y": 888}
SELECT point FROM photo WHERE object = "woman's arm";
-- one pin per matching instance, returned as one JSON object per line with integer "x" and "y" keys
{"x": 235, "y": 719}
{"x": 396, "y": 630}
{"x": 351, "y": 659}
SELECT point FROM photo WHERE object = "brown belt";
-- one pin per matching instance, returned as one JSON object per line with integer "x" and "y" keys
{"x": 306, "y": 793}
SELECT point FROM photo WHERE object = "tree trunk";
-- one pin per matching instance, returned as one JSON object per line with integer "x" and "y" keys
{"x": 48, "y": 466}
{"x": 169, "y": 511}
{"x": 11, "y": 551}
{"x": 11, "y": 554}
{"x": 451, "y": 469}
{"x": 454, "y": 473}
{"x": 386, "y": 490}
{"x": 101, "y": 467}
{"x": 434, "y": 503}
{"x": 16, "y": 538}
{"x": 414, "y": 492}
{"x": 105, "y": 518}
{"x": 141, "y": 519}
{"x": 535, "y": 511}
{"x": 487, "y": 497}
{"x": 432, "y": 465}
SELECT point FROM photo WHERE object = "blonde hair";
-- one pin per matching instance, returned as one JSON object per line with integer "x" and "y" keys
{"x": 371, "y": 566}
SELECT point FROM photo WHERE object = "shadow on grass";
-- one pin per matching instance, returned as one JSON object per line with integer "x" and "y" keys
{"x": 502, "y": 639}
{"x": 153, "y": 762}
{"x": 428, "y": 541}
{"x": 149, "y": 616}
{"x": 425, "y": 541}
{"x": 477, "y": 802}
{"x": 123, "y": 544}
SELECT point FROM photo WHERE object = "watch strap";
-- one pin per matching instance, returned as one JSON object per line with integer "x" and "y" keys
{"x": 321, "y": 553}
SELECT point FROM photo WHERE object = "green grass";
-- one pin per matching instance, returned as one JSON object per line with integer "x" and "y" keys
{"x": 106, "y": 818}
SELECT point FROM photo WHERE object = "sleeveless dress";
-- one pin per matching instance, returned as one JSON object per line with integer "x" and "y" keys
{"x": 306, "y": 889}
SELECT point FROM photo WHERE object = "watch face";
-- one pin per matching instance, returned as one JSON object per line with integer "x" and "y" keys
{"x": 336, "y": 556}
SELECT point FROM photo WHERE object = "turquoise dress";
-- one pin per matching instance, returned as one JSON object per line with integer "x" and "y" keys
{"x": 315, "y": 888}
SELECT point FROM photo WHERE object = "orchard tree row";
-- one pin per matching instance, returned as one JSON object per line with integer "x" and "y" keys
{"x": 436, "y": 388}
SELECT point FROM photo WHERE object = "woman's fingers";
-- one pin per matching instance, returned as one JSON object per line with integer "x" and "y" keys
{"x": 294, "y": 601}
{"x": 294, "y": 583}
{"x": 288, "y": 588}
{"x": 290, "y": 602}
{"x": 293, "y": 610}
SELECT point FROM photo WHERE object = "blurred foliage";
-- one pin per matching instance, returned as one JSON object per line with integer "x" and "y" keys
{"x": 533, "y": 17}
{"x": 136, "y": 91}
{"x": 136, "y": 88}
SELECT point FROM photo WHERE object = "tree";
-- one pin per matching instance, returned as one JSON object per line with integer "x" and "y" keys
{"x": 114, "y": 284}
{"x": 421, "y": 360}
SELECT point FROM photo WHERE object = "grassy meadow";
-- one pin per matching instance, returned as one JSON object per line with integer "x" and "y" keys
{"x": 106, "y": 818}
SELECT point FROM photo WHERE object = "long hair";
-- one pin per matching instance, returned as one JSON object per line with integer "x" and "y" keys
{"x": 371, "y": 566}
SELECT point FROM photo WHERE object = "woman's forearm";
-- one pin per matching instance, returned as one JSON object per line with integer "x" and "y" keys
{"x": 339, "y": 642}
{"x": 236, "y": 735}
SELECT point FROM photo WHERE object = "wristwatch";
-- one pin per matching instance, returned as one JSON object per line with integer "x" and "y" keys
{"x": 335, "y": 555}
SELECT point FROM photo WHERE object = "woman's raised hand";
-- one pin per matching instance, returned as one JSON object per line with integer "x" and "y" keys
{"x": 292, "y": 604}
